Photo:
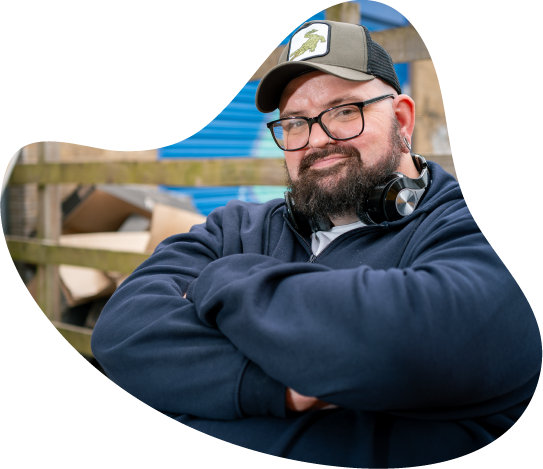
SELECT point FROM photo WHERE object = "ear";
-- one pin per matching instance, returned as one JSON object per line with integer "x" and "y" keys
{"x": 404, "y": 108}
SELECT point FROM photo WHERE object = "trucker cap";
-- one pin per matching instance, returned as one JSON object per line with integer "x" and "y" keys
{"x": 341, "y": 49}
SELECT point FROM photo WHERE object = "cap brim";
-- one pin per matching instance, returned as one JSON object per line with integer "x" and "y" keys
{"x": 274, "y": 82}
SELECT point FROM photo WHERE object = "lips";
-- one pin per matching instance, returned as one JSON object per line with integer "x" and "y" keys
{"x": 327, "y": 157}
{"x": 329, "y": 160}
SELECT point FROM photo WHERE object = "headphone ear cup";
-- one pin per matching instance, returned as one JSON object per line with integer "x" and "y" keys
{"x": 397, "y": 197}
{"x": 372, "y": 208}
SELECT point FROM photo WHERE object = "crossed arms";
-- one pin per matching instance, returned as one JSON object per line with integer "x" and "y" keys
{"x": 450, "y": 328}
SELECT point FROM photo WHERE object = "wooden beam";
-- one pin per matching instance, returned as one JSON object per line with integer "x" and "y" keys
{"x": 36, "y": 251}
{"x": 179, "y": 172}
{"x": 403, "y": 44}
{"x": 48, "y": 227}
{"x": 78, "y": 337}
{"x": 347, "y": 12}
{"x": 431, "y": 134}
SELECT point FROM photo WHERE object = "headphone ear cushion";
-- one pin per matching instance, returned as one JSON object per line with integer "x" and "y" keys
{"x": 373, "y": 206}
{"x": 397, "y": 197}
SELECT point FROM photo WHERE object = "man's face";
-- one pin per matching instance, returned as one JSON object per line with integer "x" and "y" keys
{"x": 326, "y": 177}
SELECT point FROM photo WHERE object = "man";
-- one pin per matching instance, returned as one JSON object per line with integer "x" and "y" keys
{"x": 364, "y": 321}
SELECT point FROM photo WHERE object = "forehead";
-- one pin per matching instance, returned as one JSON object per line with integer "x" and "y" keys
{"x": 316, "y": 90}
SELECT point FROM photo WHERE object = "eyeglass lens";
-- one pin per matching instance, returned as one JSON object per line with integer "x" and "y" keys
{"x": 342, "y": 123}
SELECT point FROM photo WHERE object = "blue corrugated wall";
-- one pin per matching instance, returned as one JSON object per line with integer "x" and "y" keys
{"x": 240, "y": 130}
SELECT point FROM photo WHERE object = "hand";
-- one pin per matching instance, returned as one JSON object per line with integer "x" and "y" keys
{"x": 296, "y": 402}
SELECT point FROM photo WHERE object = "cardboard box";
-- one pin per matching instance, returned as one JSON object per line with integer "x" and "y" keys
{"x": 104, "y": 208}
{"x": 167, "y": 221}
{"x": 129, "y": 241}
{"x": 79, "y": 285}
{"x": 91, "y": 210}
{"x": 83, "y": 284}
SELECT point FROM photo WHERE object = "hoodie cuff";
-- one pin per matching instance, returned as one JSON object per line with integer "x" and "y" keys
{"x": 261, "y": 395}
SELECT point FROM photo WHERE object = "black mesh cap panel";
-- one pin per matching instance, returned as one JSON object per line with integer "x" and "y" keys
{"x": 380, "y": 64}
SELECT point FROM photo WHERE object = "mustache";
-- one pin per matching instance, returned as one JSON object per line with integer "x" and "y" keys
{"x": 313, "y": 157}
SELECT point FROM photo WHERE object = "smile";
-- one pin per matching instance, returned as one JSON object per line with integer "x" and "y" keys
{"x": 328, "y": 161}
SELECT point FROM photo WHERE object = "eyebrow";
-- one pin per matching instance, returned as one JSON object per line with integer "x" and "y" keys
{"x": 328, "y": 105}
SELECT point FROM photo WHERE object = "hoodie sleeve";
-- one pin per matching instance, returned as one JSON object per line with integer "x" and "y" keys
{"x": 449, "y": 328}
{"x": 150, "y": 341}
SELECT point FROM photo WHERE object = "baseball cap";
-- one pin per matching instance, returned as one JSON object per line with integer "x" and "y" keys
{"x": 341, "y": 49}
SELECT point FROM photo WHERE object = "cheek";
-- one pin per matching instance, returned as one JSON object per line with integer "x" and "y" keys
{"x": 292, "y": 159}
{"x": 377, "y": 130}
{"x": 371, "y": 143}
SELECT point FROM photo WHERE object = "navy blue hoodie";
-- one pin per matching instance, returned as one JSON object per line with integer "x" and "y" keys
{"x": 414, "y": 329}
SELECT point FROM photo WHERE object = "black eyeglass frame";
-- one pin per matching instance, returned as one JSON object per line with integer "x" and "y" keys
{"x": 312, "y": 120}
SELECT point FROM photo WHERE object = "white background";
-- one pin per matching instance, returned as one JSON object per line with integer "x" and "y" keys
{"x": 121, "y": 75}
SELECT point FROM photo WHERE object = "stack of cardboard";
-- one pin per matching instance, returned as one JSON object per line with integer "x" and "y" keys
{"x": 116, "y": 218}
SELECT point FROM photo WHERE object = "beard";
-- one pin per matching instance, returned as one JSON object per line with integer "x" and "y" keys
{"x": 335, "y": 191}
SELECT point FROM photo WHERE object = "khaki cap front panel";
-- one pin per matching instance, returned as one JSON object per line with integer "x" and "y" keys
{"x": 354, "y": 56}
{"x": 283, "y": 56}
{"x": 348, "y": 62}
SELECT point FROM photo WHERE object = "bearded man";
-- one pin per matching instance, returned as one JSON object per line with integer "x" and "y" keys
{"x": 364, "y": 321}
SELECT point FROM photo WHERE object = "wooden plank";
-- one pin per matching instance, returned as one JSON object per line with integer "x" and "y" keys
{"x": 431, "y": 135}
{"x": 403, "y": 44}
{"x": 48, "y": 227}
{"x": 347, "y": 12}
{"x": 35, "y": 251}
{"x": 71, "y": 153}
{"x": 198, "y": 172}
{"x": 78, "y": 337}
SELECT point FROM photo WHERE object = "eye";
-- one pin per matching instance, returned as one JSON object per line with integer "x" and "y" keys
{"x": 294, "y": 125}
{"x": 345, "y": 113}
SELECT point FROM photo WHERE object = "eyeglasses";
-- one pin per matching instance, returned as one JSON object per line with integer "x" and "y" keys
{"x": 341, "y": 122}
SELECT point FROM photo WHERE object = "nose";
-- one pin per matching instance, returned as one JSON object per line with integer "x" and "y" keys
{"x": 317, "y": 137}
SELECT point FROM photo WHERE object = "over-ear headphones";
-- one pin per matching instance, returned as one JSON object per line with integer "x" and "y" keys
{"x": 397, "y": 197}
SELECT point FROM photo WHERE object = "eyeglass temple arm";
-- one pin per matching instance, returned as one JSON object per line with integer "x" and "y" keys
{"x": 376, "y": 100}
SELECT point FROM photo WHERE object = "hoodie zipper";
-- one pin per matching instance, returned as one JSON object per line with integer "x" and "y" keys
{"x": 313, "y": 257}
